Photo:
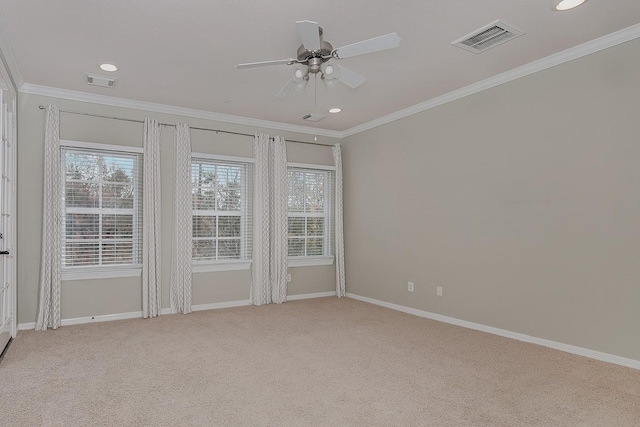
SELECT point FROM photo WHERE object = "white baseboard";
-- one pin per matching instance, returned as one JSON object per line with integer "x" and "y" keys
{"x": 26, "y": 326}
{"x": 197, "y": 307}
{"x": 593, "y": 354}
{"x": 217, "y": 305}
{"x": 102, "y": 318}
{"x": 90, "y": 319}
{"x": 315, "y": 295}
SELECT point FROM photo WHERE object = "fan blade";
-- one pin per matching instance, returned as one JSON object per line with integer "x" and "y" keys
{"x": 388, "y": 41}
{"x": 309, "y": 34}
{"x": 265, "y": 63}
{"x": 348, "y": 77}
{"x": 287, "y": 89}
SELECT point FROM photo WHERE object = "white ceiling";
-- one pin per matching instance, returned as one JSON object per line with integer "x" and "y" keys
{"x": 183, "y": 53}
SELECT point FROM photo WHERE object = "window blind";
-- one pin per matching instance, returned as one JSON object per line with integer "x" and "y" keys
{"x": 102, "y": 218}
{"x": 310, "y": 212}
{"x": 222, "y": 210}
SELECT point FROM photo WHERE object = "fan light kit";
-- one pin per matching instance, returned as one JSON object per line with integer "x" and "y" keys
{"x": 313, "y": 56}
{"x": 568, "y": 4}
{"x": 108, "y": 67}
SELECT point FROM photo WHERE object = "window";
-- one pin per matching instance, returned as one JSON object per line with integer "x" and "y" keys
{"x": 221, "y": 213}
{"x": 310, "y": 215}
{"x": 102, "y": 218}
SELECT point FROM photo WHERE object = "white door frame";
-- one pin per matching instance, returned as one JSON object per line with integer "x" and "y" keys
{"x": 8, "y": 287}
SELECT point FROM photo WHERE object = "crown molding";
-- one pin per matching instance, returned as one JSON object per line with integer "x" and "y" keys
{"x": 8, "y": 57}
{"x": 570, "y": 54}
{"x": 559, "y": 58}
{"x": 113, "y": 101}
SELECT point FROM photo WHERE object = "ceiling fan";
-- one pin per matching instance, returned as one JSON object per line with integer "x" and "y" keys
{"x": 314, "y": 53}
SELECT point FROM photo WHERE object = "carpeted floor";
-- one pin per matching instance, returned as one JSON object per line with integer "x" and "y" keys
{"x": 326, "y": 361}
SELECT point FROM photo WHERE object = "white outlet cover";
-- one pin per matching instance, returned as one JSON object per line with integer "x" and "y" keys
{"x": 410, "y": 286}
{"x": 439, "y": 291}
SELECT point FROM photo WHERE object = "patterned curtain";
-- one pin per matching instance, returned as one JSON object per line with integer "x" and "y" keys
{"x": 151, "y": 223}
{"x": 182, "y": 229}
{"x": 269, "y": 274}
{"x": 51, "y": 256}
{"x": 340, "y": 277}
{"x": 279, "y": 248}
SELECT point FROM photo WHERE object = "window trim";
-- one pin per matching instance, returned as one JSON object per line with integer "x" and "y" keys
{"x": 204, "y": 266}
{"x": 310, "y": 166}
{"x": 314, "y": 260}
{"x": 101, "y": 271}
{"x": 222, "y": 157}
{"x": 308, "y": 261}
{"x": 66, "y": 143}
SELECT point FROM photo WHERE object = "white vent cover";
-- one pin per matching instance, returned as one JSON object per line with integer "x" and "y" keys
{"x": 313, "y": 117}
{"x": 489, "y": 36}
{"x": 101, "y": 81}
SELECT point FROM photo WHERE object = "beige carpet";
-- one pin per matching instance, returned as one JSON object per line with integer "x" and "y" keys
{"x": 326, "y": 362}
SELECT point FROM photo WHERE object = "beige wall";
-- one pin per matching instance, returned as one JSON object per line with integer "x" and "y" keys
{"x": 98, "y": 297}
{"x": 522, "y": 202}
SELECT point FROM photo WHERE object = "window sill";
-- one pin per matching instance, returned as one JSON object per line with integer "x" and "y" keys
{"x": 308, "y": 261}
{"x": 205, "y": 267}
{"x": 102, "y": 272}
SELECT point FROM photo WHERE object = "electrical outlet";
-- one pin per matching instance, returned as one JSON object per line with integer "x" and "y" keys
{"x": 410, "y": 286}
{"x": 288, "y": 277}
{"x": 439, "y": 291}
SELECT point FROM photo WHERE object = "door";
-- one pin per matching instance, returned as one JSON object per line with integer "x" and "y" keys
{"x": 7, "y": 219}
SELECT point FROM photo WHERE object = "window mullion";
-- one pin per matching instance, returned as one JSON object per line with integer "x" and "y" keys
{"x": 328, "y": 194}
{"x": 306, "y": 235}
{"x": 100, "y": 204}
{"x": 217, "y": 257}
{"x": 62, "y": 178}
{"x": 305, "y": 207}
{"x": 137, "y": 256}
{"x": 216, "y": 206}
{"x": 243, "y": 209}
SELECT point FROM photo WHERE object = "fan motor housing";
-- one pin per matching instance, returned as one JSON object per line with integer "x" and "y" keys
{"x": 325, "y": 50}
{"x": 315, "y": 58}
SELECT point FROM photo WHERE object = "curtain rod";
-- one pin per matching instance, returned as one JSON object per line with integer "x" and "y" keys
{"x": 42, "y": 107}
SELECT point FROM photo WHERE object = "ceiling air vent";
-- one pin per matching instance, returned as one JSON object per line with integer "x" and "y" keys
{"x": 487, "y": 37}
{"x": 101, "y": 81}
{"x": 313, "y": 117}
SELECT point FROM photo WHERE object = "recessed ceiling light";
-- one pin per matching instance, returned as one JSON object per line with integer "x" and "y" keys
{"x": 108, "y": 67}
{"x": 569, "y": 4}
{"x": 335, "y": 110}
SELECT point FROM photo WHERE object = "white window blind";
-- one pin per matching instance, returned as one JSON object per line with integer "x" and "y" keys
{"x": 310, "y": 212}
{"x": 102, "y": 221}
{"x": 222, "y": 211}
